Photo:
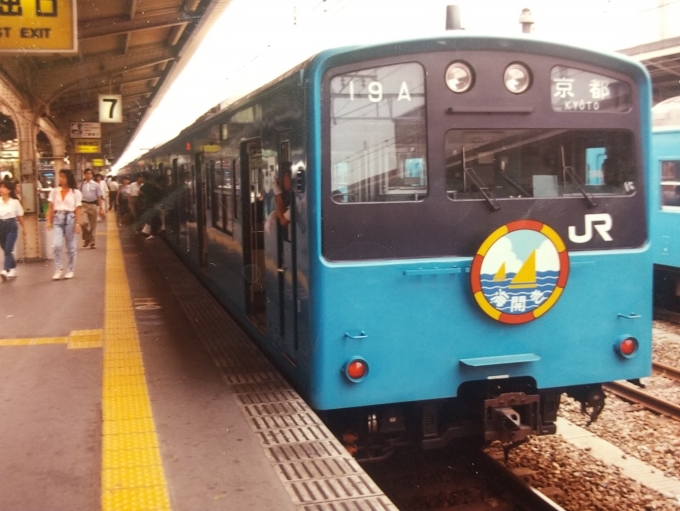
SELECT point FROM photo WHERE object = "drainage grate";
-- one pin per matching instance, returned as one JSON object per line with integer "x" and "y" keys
{"x": 338, "y": 488}
{"x": 272, "y": 409}
{"x": 260, "y": 387}
{"x": 283, "y": 421}
{"x": 306, "y": 451}
{"x": 235, "y": 379}
{"x": 258, "y": 398}
{"x": 381, "y": 503}
{"x": 318, "y": 469}
{"x": 292, "y": 435}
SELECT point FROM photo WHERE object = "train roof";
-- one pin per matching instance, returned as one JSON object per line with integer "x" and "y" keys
{"x": 454, "y": 40}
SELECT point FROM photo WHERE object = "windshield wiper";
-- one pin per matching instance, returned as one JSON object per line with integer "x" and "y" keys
{"x": 469, "y": 171}
{"x": 493, "y": 204}
{"x": 574, "y": 177}
{"x": 567, "y": 169}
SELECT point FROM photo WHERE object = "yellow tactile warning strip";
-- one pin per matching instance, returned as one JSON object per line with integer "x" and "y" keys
{"x": 77, "y": 339}
{"x": 132, "y": 471}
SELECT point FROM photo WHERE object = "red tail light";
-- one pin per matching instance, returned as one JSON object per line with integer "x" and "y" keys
{"x": 628, "y": 346}
{"x": 356, "y": 370}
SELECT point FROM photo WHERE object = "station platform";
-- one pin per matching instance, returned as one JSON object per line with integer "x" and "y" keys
{"x": 129, "y": 388}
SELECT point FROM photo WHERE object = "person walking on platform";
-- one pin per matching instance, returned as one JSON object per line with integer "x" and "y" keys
{"x": 92, "y": 203}
{"x": 124, "y": 212}
{"x": 11, "y": 213}
{"x": 64, "y": 215}
{"x": 134, "y": 200}
{"x": 105, "y": 193}
{"x": 113, "y": 194}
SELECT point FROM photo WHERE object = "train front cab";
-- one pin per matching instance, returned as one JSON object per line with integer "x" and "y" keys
{"x": 665, "y": 214}
{"x": 477, "y": 256}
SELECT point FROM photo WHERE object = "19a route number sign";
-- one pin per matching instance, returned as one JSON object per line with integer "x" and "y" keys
{"x": 110, "y": 108}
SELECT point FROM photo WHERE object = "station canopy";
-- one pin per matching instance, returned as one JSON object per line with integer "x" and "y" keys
{"x": 662, "y": 60}
{"x": 124, "y": 47}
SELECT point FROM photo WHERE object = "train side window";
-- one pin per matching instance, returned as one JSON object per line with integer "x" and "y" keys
{"x": 378, "y": 135}
{"x": 519, "y": 163}
{"x": 670, "y": 185}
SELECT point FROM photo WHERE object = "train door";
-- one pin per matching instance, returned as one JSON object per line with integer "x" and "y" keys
{"x": 252, "y": 203}
{"x": 287, "y": 271}
{"x": 201, "y": 202}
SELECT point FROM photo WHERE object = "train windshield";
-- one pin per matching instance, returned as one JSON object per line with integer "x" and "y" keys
{"x": 378, "y": 142}
{"x": 517, "y": 163}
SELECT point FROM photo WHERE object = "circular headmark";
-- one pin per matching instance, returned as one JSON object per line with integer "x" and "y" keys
{"x": 520, "y": 271}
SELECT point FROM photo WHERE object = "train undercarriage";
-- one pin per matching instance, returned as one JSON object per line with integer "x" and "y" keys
{"x": 485, "y": 411}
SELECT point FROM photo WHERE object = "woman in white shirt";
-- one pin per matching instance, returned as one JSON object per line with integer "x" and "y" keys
{"x": 64, "y": 216}
{"x": 11, "y": 212}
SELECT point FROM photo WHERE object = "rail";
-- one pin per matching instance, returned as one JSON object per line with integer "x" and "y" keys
{"x": 455, "y": 480}
{"x": 503, "y": 480}
{"x": 635, "y": 395}
{"x": 666, "y": 370}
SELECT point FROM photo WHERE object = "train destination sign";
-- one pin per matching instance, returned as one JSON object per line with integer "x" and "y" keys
{"x": 38, "y": 26}
{"x": 575, "y": 90}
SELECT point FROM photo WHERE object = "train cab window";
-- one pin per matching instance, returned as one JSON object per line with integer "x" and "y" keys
{"x": 670, "y": 185}
{"x": 518, "y": 163}
{"x": 378, "y": 135}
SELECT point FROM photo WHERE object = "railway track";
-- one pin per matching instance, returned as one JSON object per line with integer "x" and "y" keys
{"x": 470, "y": 481}
{"x": 665, "y": 370}
{"x": 666, "y": 315}
{"x": 636, "y": 395}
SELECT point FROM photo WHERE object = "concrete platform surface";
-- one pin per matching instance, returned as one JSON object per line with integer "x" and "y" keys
{"x": 82, "y": 425}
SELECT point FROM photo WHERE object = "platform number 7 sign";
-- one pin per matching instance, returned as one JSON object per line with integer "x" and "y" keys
{"x": 110, "y": 108}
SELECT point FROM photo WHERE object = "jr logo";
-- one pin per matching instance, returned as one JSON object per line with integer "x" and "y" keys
{"x": 602, "y": 223}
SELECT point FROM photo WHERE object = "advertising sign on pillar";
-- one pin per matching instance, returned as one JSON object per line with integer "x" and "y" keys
{"x": 38, "y": 26}
{"x": 110, "y": 108}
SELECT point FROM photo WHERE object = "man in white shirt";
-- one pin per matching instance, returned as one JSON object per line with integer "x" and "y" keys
{"x": 105, "y": 193}
{"x": 113, "y": 194}
{"x": 134, "y": 200}
{"x": 92, "y": 202}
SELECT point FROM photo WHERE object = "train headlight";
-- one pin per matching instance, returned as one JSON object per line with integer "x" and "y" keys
{"x": 459, "y": 77}
{"x": 627, "y": 347}
{"x": 356, "y": 369}
{"x": 517, "y": 78}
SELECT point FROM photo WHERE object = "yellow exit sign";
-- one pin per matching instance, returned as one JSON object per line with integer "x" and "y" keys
{"x": 38, "y": 26}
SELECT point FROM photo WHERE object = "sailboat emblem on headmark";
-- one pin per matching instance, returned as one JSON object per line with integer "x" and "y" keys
{"x": 520, "y": 271}
{"x": 526, "y": 276}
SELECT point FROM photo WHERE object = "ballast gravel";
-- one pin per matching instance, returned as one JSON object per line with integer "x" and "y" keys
{"x": 579, "y": 482}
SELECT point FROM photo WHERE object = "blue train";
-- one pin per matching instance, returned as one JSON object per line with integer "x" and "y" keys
{"x": 665, "y": 204}
{"x": 434, "y": 239}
